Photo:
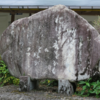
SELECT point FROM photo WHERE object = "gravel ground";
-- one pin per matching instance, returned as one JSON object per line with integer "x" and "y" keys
{"x": 10, "y": 92}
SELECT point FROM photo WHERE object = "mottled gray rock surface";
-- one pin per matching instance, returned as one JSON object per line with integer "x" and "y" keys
{"x": 55, "y": 43}
{"x": 10, "y": 93}
{"x": 26, "y": 84}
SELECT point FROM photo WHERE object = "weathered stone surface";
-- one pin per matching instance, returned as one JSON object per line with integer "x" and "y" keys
{"x": 55, "y": 43}
{"x": 26, "y": 84}
{"x": 66, "y": 87}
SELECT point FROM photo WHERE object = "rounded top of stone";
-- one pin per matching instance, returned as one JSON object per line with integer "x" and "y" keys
{"x": 58, "y": 7}
{"x": 61, "y": 6}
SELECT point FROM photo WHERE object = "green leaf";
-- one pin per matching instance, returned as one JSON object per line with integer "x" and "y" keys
{"x": 82, "y": 82}
{"x": 97, "y": 81}
{"x": 94, "y": 86}
{"x": 84, "y": 87}
{"x": 91, "y": 91}
{"x": 88, "y": 84}
{"x": 97, "y": 92}
{"x": 88, "y": 94}
{"x": 98, "y": 87}
{"x": 93, "y": 83}
{"x": 97, "y": 96}
{"x": 89, "y": 79}
{"x": 82, "y": 92}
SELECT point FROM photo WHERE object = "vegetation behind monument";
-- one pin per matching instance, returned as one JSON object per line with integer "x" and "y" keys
{"x": 5, "y": 76}
{"x": 96, "y": 24}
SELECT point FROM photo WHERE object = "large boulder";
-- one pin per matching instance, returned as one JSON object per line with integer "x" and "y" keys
{"x": 55, "y": 43}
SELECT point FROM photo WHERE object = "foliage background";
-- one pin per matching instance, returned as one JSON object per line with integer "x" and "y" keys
{"x": 5, "y": 77}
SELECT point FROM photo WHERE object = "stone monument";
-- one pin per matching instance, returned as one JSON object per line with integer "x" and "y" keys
{"x": 56, "y": 43}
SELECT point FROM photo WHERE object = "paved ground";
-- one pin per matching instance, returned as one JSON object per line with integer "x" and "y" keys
{"x": 11, "y": 92}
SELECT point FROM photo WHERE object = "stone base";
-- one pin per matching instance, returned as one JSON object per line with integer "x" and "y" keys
{"x": 26, "y": 84}
{"x": 65, "y": 87}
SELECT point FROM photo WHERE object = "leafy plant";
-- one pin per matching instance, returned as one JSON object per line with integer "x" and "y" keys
{"x": 96, "y": 88}
{"x": 86, "y": 87}
{"x": 89, "y": 88}
{"x": 52, "y": 82}
{"x": 96, "y": 24}
{"x": 5, "y": 76}
{"x": 49, "y": 82}
{"x": 44, "y": 82}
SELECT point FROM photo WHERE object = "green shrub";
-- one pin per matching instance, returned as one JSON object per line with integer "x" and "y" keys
{"x": 49, "y": 82}
{"x": 5, "y": 76}
{"x": 44, "y": 82}
{"x": 89, "y": 88}
{"x": 96, "y": 24}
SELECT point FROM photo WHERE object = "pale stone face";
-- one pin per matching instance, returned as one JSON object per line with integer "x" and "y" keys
{"x": 55, "y": 43}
